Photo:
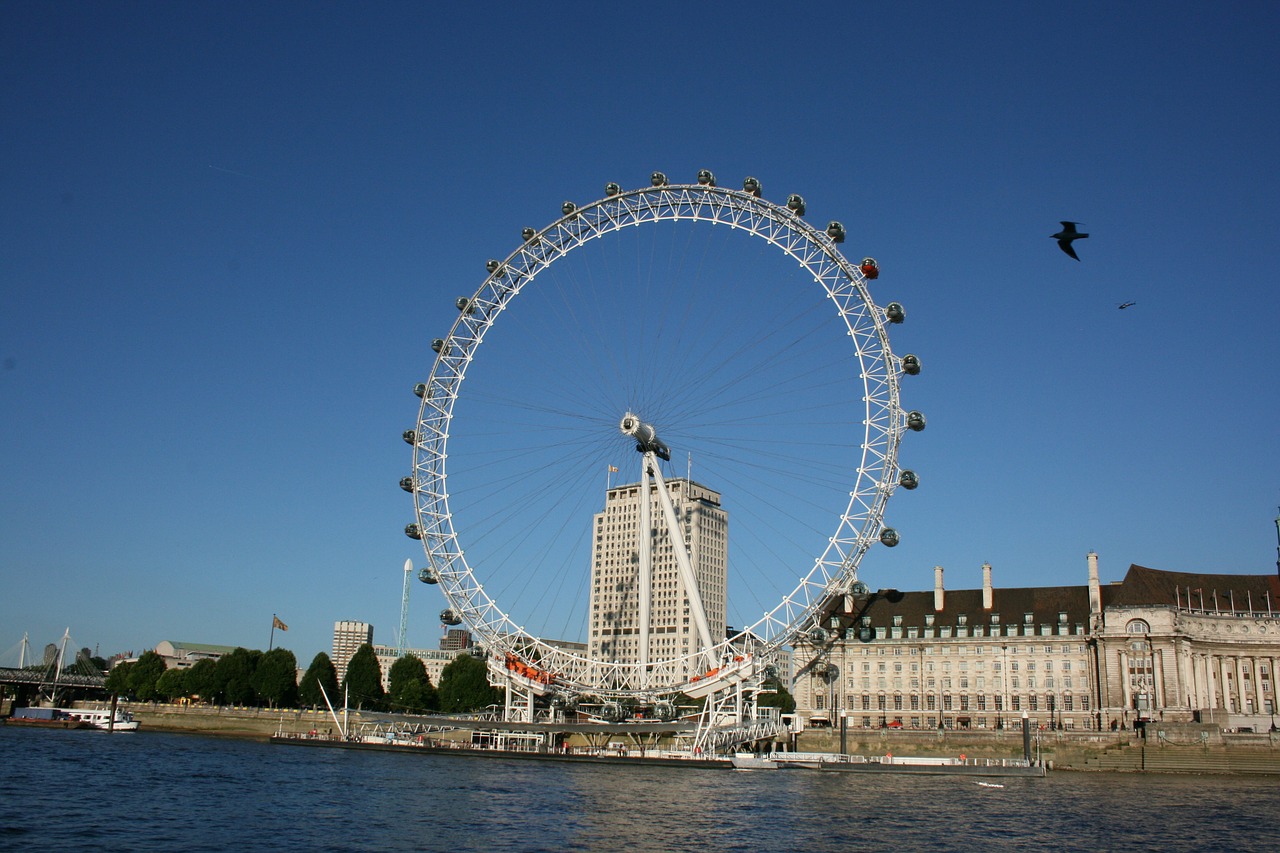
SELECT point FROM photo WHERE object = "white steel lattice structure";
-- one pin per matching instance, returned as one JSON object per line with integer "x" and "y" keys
{"x": 544, "y": 668}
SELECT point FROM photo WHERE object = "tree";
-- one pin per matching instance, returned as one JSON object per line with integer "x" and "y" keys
{"x": 172, "y": 684}
{"x": 144, "y": 674}
{"x": 780, "y": 699}
{"x": 118, "y": 678}
{"x": 364, "y": 679}
{"x": 464, "y": 686}
{"x": 233, "y": 678}
{"x": 411, "y": 688}
{"x": 276, "y": 679}
{"x": 321, "y": 674}
{"x": 200, "y": 679}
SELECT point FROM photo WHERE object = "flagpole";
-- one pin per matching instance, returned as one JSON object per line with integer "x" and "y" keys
{"x": 272, "y": 641}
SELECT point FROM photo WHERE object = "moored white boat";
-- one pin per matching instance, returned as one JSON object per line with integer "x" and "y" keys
{"x": 100, "y": 718}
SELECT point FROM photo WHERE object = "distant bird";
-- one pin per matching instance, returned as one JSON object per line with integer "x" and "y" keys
{"x": 1066, "y": 235}
{"x": 1124, "y": 305}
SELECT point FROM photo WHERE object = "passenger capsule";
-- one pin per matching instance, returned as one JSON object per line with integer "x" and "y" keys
{"x": 448, "y": 617}
{"x": 492, "y": 266}
{"x": 908, "y": 480}
{"x": 438, "y": 344}
{"x": 420, "y": 390}
{"x": 818, "y": 636}
{"x": 426, "y": 574}
{"x": 894, "y": 312}
{"x": 658, "y": 179}
{"x": 664, "y": 710}
{"x": 859, "y": 589}
{"x": 866, "y": 634}
{"x": 835, "y": 231}
{"x": 412, "y": 531}
{"x": 870, "y": 269}
{"x": 464, "y": 304}
{"x": 611, "y": 189}
{"x": 915, "y": 421}
{"x": 889, "y": 537}
{"x": 796, "y": 203}
{"x": 406, "y": 483}
{"x": 409, "y": 436}
{"x": 568, "y": 208}
{"x": 751, "y": 185}
{"x": 527, "y": 234}
{"x": 706, "y": 178}
{"x": 911, "y": 365}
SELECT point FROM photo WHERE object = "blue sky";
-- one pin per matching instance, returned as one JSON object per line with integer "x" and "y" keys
{"x": 230, "y": 232}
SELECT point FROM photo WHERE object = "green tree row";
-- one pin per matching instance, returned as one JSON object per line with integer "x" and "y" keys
{"x": 242, "y": 677}
{"x": 257, "y": 678}
{"x": 464, "y": 685}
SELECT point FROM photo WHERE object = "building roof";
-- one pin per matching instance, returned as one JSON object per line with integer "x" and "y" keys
{"x": 1143, "y": 586}
{"x": 207, "y": 648}
{"x": 1045, "y": 603}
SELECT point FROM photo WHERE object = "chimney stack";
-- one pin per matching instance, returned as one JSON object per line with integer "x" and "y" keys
{"x": 986, "y": 586}
{"x": 937, "y": 588}
{"x": 1095, "y": 587}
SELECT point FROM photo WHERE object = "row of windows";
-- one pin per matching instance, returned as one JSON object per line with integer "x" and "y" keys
{"x": 979, "y": 666}
{"x": 963, "y": 702}
{"x": 963, "y": 682}
{"x": 981, "y": 649}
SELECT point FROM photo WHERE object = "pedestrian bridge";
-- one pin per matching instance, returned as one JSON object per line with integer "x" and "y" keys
{"x": 41, "y": 675}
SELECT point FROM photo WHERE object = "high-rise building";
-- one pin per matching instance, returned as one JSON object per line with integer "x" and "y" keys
{"x": 456, "y": 640}
{"x": 615, "y": 572}
{"x": 347, "y": 637}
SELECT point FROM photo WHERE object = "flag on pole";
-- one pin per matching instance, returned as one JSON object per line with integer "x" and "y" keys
{"x": 276, "y": 623}
{"x": 613, "y": 469}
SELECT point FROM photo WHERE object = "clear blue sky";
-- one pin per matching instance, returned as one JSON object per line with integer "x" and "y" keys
{"x": 230, "y": 231}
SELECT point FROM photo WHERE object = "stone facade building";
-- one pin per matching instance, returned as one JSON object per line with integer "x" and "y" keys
{"x": 1068, "y": 657}
{"x": 1182, "y": 646}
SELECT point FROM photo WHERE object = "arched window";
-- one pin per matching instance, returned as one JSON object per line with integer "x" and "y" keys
{"x": 1137, "y": 626}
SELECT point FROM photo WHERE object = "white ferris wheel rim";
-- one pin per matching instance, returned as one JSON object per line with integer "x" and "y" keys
{"x": 551, "y": 668}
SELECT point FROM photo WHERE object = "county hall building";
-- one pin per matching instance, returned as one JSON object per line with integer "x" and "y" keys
{"x": 1156, "y": 646}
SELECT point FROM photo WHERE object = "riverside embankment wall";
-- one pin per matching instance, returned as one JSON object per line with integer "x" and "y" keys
{"x": 1187, "y": 749}
{"x": 1170, "y": 749}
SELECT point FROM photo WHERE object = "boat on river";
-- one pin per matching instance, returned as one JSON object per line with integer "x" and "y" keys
{"x": 100, "y": 718}
{"x": 889, "y": 763}
{"x": 45, "y": 718}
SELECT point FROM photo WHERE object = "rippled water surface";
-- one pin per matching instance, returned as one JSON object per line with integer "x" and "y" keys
{"x": 66, "y": 790}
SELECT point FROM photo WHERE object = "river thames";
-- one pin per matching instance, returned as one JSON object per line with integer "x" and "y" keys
{"x": 68, "y": 790}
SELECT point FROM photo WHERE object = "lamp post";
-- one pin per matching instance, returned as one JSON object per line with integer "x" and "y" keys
{"x": 1278, "y": 542}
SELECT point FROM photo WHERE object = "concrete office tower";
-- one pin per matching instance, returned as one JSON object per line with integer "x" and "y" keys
{"x": 347, "y": 637}
{"x": 615, "y": 594}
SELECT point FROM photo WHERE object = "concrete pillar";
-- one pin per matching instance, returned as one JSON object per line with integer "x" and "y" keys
{"x": 1157, "y": 680}
{"x": 1240, "y": 689}
{"x": 1126, "y": 688}
{"x": 1226, "y": 689}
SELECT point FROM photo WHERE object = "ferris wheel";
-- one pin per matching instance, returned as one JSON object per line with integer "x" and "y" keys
{"x": 635, "y": 340}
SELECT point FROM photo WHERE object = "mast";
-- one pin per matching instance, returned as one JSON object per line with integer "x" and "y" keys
{"x": 404, "y": 610}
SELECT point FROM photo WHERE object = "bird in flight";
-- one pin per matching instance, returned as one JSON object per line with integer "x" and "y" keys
{"x": 1066, "y": 235}
{"x": 1124, "y": 305}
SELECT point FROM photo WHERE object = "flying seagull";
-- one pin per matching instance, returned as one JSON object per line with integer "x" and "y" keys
{"x": 1066, "y": 235}
{"x": 1124, "y": 305}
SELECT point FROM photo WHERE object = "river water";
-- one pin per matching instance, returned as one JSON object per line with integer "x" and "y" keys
{"x": 70, "y": 790}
